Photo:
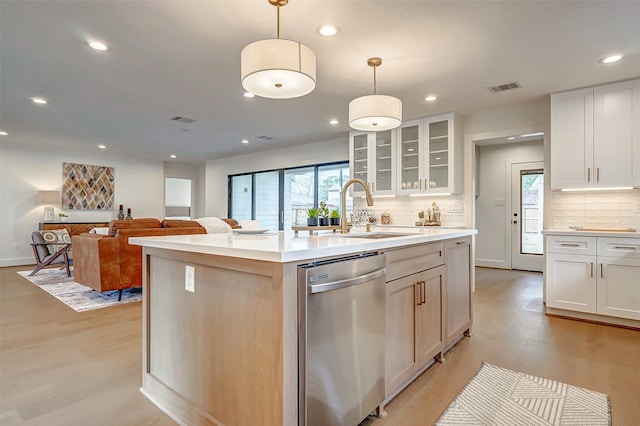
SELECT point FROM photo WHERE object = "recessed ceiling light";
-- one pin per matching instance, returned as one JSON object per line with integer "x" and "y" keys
{"x": 611, "y": 59}
{"x": 328, "y": 30}
{"x": 97, "y": 45}
{"x": 3, "y": 133}
{"x": 511, "y": 138}
{"x": 40, "y": 101}
{"x": 333, "y": 121}
{"x": 172, "y": 156}
{"x": 245, "y": 141}
{"x": 430, "y": 98}
{"x": 248, "y": 95}
{"x": 102, "y": 147}
{"x": 410, "y": 149}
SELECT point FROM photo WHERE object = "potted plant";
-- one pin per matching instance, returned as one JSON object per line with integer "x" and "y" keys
{"x": 323, "y": 214}
{"x": 63, "y": 217}
{"x": 312, "y": 220}
{"x": 334, "y": 217}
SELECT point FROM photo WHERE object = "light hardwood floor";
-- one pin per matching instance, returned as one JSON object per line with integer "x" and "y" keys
{"x": 60, "y": 367}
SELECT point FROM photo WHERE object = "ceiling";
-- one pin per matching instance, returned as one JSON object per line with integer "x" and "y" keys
{"x": 182, "y": 58}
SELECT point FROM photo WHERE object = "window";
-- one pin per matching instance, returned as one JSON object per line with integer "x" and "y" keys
{"x": 279, "y": 199}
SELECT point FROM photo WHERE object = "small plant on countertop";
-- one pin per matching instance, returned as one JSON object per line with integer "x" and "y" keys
{"x": 323, "y": 211}
{"x": 335, "y": 214}
{"x": 312, "y": 212}
{"x": 63, "y": 215}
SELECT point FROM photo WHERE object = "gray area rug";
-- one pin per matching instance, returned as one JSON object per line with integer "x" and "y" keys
{"x": 497, "y": 396}
{"x": 77, "y": 296}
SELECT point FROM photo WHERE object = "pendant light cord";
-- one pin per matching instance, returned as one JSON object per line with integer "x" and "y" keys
{"x": 278, "y": 13}
{"x": 374, "y": 80}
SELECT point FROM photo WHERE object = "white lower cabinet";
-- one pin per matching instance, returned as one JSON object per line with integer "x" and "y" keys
{"x": 596, "y": 275}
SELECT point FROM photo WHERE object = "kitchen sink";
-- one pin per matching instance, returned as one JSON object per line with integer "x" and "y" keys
{"x": 376, "y": 235}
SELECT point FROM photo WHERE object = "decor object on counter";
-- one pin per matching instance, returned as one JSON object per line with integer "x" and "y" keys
{"x": 323, "y": 214}
{"x": 87, "y": 187}
{"x": 433, "y": 215}
{"x": 278, "y": 68}
{"x": 128, "y": 215}
{"x": 375, "y": 112}
{"x": 121, "y": 212}
{"x": 78, "y": 297}
{"x": 385, "y": 218}
{"x": 48, "y": 199}
{"x": 420, "y": 221}
{"x": 334, "y": 217}
{"x": 363, "y": 216}
{"x": 497, "y": 396}
{"x": 63, "y": 217}
{"x": 312, "y": 220}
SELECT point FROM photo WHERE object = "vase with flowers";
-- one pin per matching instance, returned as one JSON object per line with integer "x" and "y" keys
{"x": 63, "y": 217}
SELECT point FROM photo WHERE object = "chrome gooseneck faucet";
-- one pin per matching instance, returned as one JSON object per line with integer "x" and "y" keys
{"x": 343, "y": 219}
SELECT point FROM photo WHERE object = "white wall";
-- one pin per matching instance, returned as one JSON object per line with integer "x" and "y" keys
{"x": 217, "y": 171}
{"x": 27, "y": 169}
{"x": 493, "y": 242}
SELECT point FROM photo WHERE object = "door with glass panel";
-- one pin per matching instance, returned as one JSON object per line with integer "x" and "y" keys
{"x": 360, "y": 159}
{"x": 527, "y": 209}
{"x": 299, "y": 195}
{"x": 241, "y": 197}
{"x": 384, "y": 178}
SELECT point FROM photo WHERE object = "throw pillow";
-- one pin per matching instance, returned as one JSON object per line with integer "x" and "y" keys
{"x": 56, "y": 239}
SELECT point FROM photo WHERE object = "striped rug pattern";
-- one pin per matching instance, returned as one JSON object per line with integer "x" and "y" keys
{"x": 497, "y": 396}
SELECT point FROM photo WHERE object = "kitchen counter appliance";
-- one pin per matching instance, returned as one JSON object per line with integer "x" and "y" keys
{"x": 341, "y": 339}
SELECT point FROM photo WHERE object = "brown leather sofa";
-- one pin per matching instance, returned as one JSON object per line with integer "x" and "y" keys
{"x": 109, "y": 262}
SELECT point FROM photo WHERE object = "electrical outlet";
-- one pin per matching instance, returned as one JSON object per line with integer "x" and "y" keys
{"x": 189, "y": 279}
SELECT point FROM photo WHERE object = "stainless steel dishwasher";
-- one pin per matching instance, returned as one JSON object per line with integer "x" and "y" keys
{"x": 341, "y": 306}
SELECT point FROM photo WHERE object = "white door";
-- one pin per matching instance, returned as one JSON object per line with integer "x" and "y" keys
{"x": 527, "y": 208}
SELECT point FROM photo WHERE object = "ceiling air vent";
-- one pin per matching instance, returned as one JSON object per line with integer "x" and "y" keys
{"x": 184, "y": 120}
{"x": 503, "y": 87}
{"x": 265, "y": 138}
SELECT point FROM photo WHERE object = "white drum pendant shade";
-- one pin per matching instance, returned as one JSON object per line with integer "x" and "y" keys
{"x": 278, "y": 69}
{"x": 375, "y": 112}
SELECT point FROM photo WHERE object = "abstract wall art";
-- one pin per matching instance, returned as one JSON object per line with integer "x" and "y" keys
{"x": 87, "y": 187}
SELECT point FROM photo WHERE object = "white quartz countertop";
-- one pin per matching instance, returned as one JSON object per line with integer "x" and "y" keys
{"x": 591, "y": 233}
{"x": 283, "y": 246}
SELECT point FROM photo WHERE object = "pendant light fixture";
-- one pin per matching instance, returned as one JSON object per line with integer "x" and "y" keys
{"x": 375, "y": 112}
{"x": 277, "y": 68}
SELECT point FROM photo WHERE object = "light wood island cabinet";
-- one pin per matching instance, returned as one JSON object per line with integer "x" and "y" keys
{"x": 221, "y": 318}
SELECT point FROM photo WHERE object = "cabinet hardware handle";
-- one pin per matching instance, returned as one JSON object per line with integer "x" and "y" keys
{"x": 418, "y": 295}
{"x": 420, "y": 184}
{"x": 591, "y": 266}
{"x": 569, "y": 245}
{"x": 601, "y": 270}
{"x": 598, "y": 174}
{"x": 424, "y": 292}
{"x": 624, "y": 248}
{"x": 588, "y": 174}
{"x": 460, "y": 243}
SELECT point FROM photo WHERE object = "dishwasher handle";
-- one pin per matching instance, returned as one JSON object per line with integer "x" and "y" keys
{"x": 334, "y": 285}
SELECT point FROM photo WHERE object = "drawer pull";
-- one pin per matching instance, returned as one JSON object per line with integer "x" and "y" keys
{"x": 601, "y": 270}
{"x": 460, "y": 243}
{"x": 418, "y": 294}
{"x": 591, "y": 266}
{"x": 569, "y": 245}
{"x": 624, "y": 248}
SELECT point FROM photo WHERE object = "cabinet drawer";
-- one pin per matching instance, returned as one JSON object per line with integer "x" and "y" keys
{"x": 410, "y": 260}
{"x": 571, "y": 244}
{"x": 619, "y": 247}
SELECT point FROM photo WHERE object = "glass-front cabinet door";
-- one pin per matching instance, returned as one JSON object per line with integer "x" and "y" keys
{"x": 360, "y": 156}
{"x": 372, "y": 159}
{"x": 409, "y": 158}
{"x": 438, "y": 148}
{"x": 384, "y": 156}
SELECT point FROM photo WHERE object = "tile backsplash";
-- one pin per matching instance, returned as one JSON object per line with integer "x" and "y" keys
{"x": 404, "y": 210}
{"x": 596, "y": 209}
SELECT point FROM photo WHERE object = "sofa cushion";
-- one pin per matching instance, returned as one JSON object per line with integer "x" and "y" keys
{"x": 56, "y": 239}
{"x": 177, "y": 223}
{"x": 148, "y": 222}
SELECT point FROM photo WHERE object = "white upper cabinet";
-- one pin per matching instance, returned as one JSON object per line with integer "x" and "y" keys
{"x": 595, "y": 137}
{"x": 372, "y": 159}
{"x": 430, "y": 156}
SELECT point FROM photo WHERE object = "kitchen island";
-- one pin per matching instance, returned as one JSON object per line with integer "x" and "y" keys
{"x": 220, "y": 316}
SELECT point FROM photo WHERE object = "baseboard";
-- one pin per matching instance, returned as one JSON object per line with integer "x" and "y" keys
{"x": 498, "y": 264}
{"x": 20, "y": 261}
